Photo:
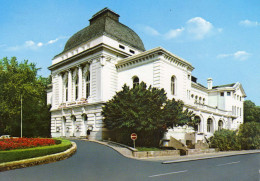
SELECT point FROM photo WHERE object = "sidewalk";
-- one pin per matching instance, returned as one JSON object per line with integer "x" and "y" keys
{"x": 127, "y": 152}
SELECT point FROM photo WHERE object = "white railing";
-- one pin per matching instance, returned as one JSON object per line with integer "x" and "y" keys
{"x": 73, "y": 103}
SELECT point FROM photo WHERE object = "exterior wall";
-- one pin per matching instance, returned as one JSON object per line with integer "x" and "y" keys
{"x": 63, "y": 124}
{"x": 144, "y": 71}
{"x": 110, "y": 68}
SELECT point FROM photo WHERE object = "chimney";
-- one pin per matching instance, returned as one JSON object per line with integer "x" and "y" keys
{"x": 210, "y": 83}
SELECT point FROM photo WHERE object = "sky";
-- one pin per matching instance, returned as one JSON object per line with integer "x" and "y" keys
{"x": 220, "y": 38}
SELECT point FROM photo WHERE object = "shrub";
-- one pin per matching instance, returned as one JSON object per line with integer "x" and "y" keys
{"x": 249, "y": 135}
{"x": 19, "y": 154}
{"x": 225, "y": 140}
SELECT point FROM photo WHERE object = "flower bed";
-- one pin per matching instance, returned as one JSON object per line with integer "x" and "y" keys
{"x": 20, "y": 143}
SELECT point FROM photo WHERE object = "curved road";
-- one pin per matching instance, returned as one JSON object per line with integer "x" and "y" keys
{"x": 95, "y": 162}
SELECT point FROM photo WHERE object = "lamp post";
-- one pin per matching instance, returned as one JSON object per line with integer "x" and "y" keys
{"x": 21, "y": 115}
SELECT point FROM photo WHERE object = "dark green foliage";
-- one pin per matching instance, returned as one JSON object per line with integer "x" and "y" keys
{"x": 249, "y": 135}
{"x": 16, "y": 80}
{"x": 20, "y": 154}
{"x": 251, "y": 112}
{"x": 225, "y": 140}
{"x": 145, "y": 111}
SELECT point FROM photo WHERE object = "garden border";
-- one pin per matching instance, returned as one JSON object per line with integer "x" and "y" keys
{"x": 39, "y": 160}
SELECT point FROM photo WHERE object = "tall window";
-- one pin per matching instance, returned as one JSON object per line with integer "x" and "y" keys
{"x": 66, "y": 91}
{"x": 220, "y": 125}
{"x": 135, "y": 81}
{"x": 173, "y": 86}
{"x": 77, "y": 88}
{"x": 209, "y": 122}
{"x": 88, "y": 84}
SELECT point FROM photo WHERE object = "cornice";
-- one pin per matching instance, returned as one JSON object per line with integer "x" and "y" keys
{"x": 147, "y": 55}
{"x": 85, "y": 53}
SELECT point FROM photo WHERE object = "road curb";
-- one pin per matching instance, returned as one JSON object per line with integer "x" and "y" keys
{"x": 210, "y": 157}
{"x": 39, "y": 160}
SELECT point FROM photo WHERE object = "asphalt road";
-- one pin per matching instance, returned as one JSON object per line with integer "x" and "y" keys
{"x": 95, "y": 162}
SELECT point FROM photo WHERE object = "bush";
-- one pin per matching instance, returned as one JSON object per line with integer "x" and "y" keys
{"x": 14, "y": 155}
{"x": 225, "y": 140}
{"x": 249, "y": 135}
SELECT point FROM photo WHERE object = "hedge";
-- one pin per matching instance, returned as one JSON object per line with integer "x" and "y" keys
{"x": 20, "y": 154}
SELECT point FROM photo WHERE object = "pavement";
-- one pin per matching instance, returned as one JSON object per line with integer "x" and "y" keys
{"x": 126, "y": 151}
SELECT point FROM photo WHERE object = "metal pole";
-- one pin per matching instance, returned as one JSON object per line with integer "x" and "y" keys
{"x": 21, "y": 115}
{"x": 134, "y": 143}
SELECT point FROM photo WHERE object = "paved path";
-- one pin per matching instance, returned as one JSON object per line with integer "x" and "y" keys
{"x": 95, "y": 162}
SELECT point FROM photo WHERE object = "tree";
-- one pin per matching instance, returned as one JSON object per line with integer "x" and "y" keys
{"x": 251, "y": 112}
{"x": 249, "y": 135}
{"x": 20, "y": 80}
{"x": 145, "y": 111}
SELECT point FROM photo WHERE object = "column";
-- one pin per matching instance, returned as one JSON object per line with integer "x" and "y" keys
{"x": 60, "y": 88}
{"x": 69, "y": 86}
{"x": 80, "y": 82}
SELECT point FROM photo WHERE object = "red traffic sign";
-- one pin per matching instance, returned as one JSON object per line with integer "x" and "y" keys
{"x": 133, "y": 136}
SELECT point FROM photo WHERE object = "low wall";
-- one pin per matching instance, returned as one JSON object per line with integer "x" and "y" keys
{"x": 200, "y": 151}
{"x": 145, "y": 154}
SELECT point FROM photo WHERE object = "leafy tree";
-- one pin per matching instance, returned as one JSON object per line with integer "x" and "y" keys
{"x": 225, "y": 140}
{"x": 251, "y": 112}
{"x": 145, "y": 111}
{"x": 249, "y": 135}
{"x": 20, "y": 81}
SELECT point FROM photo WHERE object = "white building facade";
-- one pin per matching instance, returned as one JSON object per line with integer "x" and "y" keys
{"x": 99, "y": 59}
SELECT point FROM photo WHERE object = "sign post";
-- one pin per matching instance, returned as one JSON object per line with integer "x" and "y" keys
{"x": 134, "y": 137}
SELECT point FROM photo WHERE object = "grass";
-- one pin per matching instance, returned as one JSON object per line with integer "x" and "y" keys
{"x": 147, "y": 149}
{"x": 20, "y": 154}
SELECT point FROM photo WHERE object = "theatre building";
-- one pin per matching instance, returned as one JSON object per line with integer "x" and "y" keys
{"x": 99, "y": 59}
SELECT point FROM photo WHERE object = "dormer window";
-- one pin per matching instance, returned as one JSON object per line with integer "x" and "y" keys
{"x": 132, "y": 51}
{"x": 122, "y": 47}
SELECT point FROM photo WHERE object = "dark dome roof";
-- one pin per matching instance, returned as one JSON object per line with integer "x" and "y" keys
{"x": 105, "y": 22}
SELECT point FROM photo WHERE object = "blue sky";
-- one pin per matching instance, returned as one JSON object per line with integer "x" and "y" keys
{"x": 221, "y": 39}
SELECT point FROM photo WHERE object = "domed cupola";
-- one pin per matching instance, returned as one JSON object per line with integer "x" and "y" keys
{"x": 105, "y": 22}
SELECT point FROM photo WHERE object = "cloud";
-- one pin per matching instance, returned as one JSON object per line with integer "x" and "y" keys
{"x": 239, "y": 55}
{"x": 151, "y": 31}
{"x": 174, "y": 33}
{"x": 195, "y": 28}
{"x": 31, "y": 45}
{"x": 198, "y": 27}
{"x": 248, "y": 23}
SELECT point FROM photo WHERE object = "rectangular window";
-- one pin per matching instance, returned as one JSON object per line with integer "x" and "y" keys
{"x": 221, "y": 93}
{"x": 228, "y": 93}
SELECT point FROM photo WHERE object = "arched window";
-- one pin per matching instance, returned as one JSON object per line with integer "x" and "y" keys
{"x": 209, "y": 123}
{"x": 173, "y": 85}
{"x": 85, "y": 117}
{"x": 135, "y": 81}
{"x": 66, "y": 91}
{"x": 87, "y": 84}
{"x": 77, "y": 88}
{"x": 220, "y": 125}
{"x": 197, "y": 121}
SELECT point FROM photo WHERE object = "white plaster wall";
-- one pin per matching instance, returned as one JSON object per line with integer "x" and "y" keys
{"x": 169, "y": 70}
{"x": 144, "y": 72}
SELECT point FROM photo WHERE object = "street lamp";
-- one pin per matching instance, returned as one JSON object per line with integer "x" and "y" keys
{"x": 21, "y": 115}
